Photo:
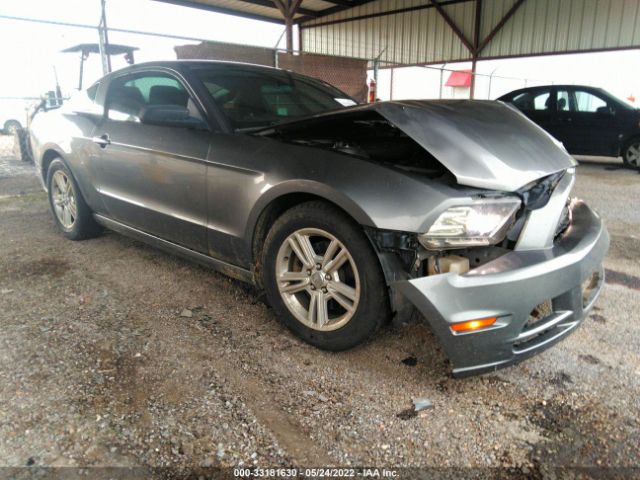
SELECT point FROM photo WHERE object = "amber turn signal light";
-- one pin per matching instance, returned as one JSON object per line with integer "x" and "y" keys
{"x": 472, "y": 325}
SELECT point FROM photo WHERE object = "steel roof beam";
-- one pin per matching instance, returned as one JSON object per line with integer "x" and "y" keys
{"x": 377, "y": 14}
{"x": 338, "y": 8}
{"x": 499, "y": 26}
{"x": 445, "y": 16}
{"x": 344, "y": 3}
{"x": 272, "y": 4}
{"x": 226, "y": 11}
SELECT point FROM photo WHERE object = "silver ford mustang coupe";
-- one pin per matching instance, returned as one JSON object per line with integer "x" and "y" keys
{"x": 346, "y": 215}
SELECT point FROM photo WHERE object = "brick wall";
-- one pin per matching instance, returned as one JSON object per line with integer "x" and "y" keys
{"x": 347, "y": 74}
{"x": 227, "y": 52}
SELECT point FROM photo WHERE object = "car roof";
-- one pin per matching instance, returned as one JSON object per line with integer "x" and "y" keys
{"x": 177, "y": 64}
{"x": 542, "y": 87}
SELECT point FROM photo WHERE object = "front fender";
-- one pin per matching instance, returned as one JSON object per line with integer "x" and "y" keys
{"x": 308, "y": 187}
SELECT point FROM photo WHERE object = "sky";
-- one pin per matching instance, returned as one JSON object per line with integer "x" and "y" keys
{"x": 30, "y": 51}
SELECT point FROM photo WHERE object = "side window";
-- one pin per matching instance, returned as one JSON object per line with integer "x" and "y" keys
{"x": 588, "y": 102}
{"x": 129, "y": 95}
{"x": 537, "y": 100}
{"x": 542, "y": 101}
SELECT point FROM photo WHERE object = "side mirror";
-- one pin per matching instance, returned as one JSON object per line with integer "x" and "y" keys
{"x": 605, "y": 110}
{"x": 170, "y": 116}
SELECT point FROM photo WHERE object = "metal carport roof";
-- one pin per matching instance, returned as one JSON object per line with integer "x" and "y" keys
{"x": 420, "y": 32}
{"x": 279, "y": 11}
{"x": 271, "y": 10}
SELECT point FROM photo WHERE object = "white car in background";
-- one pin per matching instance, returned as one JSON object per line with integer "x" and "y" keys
{"x": 13, "y": 114}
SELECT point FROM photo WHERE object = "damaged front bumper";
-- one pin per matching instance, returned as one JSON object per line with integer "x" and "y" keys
{"x": 510, "y": 288}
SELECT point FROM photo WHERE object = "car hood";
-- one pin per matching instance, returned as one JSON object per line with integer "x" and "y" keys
{"x": 484, "y": 144}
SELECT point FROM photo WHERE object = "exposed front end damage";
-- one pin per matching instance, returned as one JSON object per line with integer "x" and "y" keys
{"x": 516, "y": 289}
{"x": 508, "y": 264}
{"x": 530, "y": 291}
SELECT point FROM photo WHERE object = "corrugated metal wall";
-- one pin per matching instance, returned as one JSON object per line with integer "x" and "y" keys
{"x": 421, "y": 36}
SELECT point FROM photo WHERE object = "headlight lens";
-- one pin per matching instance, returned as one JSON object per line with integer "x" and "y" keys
{"x": 484, "y": 222}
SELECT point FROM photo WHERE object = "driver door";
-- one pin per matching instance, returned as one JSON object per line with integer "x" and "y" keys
{"x": 153, "y": 177}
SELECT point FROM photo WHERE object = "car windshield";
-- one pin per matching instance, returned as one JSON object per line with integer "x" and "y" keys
{"x": 252, "y": 97}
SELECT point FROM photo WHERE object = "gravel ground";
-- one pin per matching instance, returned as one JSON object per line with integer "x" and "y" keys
{"x": 115, "y": 354}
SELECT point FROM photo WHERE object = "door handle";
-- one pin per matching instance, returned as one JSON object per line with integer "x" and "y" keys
{"x": 102, "y": 140}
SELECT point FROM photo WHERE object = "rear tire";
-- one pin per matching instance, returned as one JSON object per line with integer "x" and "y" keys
{"x": 72, "y": 215}
{"x": 631, "y": 153}
{"x": 332, "y": 296}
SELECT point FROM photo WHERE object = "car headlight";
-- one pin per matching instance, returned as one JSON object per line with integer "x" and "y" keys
{"x": 483, "y": 222}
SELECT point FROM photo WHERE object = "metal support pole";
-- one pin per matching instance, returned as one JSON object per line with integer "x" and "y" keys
{"x": 473, "y": 79}
{"x": 103, "y": 34}
{"x": 376, "y": 65}
{"x": 491, "y": 81}
{"x": 81, "y": 70}
{"x": 288, "y": 9}
{"x": 288, "y": 21}
{"x": 476, "y": 47}
{"x": 376, "y": 68}
{"x": 441, "y": 79}
{"x": 391, "y": 86}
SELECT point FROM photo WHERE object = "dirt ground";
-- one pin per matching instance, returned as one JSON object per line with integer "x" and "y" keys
{"x": 100, "y": 365}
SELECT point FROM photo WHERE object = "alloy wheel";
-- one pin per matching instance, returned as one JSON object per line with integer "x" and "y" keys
{"x": 318, "y": 279}
{"x": 633, "y": 154}
{"x": 64, "y": 199}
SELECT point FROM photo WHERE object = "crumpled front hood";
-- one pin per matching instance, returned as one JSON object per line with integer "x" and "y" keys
{"x": 485, "y": 144}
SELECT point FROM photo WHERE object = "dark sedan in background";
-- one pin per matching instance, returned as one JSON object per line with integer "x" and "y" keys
{"x": 347, "y": 215}
{"x": 587, "y": 120}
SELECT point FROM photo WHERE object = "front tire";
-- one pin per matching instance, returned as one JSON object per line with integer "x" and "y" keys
{"x": 323, "y": 278}
{"x": 631, "y": 154}
{"x": 70, "y": 212}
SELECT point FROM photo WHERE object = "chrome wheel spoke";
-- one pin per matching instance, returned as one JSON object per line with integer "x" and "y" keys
{"x": 292, "y": 282}
{"x": 66, "y": 216}
{"x": 293, "y": 276}
{"x": 343, "y": 294}
{"x": 333, "y": 247}
{"x": 313, "y": 303}
{"x": 303, "y": 249}
{"x": 334, "y": 264}
{"x": 322, "y": 311}
{"x": 59, "y": 179}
